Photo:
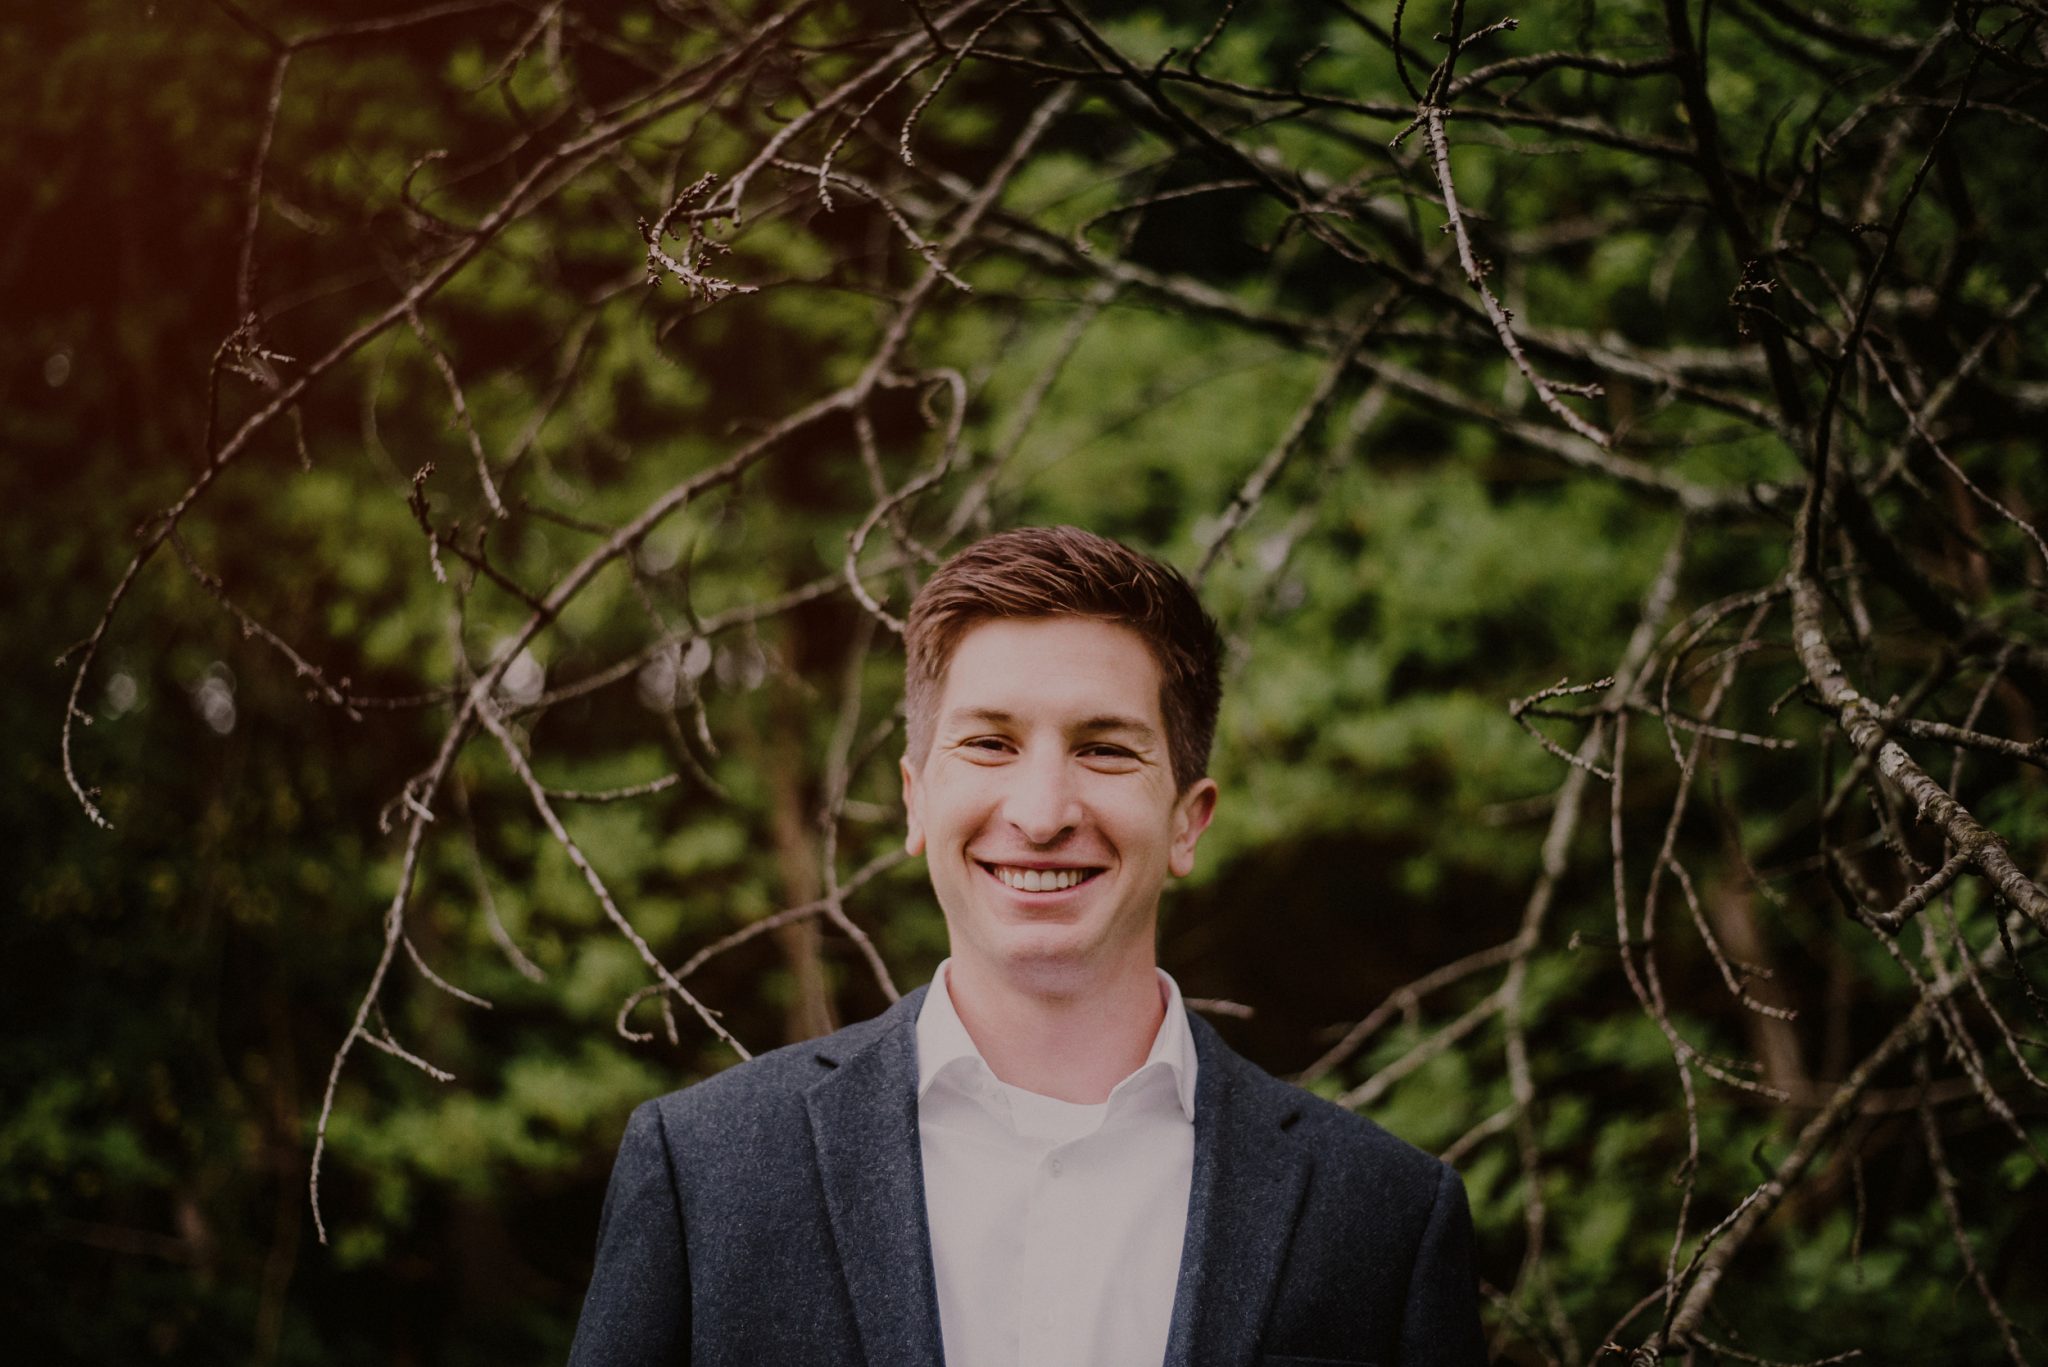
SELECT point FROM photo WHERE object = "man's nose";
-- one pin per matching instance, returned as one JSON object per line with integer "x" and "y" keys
{"x": 1043, "y": 802}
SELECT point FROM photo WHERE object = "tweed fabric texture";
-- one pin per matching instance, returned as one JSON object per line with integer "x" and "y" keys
{"x": 774, "y": 1214}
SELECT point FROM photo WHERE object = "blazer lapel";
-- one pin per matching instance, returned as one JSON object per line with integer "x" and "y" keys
{"x": 1249, "y": 1180}
{"x": 863, "y": 1118}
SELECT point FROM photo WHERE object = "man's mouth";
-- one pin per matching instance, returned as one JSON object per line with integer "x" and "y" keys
{"x": 1039, "y": 880}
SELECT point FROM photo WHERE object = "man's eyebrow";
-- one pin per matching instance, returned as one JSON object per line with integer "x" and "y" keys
{"x": 995, "y": 716}
{"x": 1113, "y": 723}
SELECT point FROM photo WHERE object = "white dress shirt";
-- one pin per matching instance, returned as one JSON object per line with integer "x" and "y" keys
{"x": 1056, "y": 1228}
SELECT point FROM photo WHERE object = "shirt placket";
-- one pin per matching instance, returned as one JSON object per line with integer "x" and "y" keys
{"x": 1045, "y": 1334}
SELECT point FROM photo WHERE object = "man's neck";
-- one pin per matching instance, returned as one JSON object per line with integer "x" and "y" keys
{"x": 1072, "y": 1047}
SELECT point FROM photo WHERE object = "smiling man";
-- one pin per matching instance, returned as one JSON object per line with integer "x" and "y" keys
{"x": 1041, "y": 1159}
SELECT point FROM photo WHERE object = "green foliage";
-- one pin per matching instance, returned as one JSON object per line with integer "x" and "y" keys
{"x": 173, "y": 991}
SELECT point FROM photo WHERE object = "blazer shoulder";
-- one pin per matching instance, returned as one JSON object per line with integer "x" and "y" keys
{"x": 1352, "y": 1138}
{"x": 1344, "y": 1142}
{"x": 768, "y": 1084}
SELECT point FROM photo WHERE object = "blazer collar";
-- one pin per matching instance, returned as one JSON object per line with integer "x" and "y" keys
{"x": 863, "y": 1118}
{"x": 1246, "y": 1193}
{"x": 1249, "y": 1179}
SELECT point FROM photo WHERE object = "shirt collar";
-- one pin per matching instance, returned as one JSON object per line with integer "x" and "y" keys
{"x": 943, "y": 1041}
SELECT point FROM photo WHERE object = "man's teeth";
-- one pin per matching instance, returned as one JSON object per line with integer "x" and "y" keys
{"x": 1038, "y": 880}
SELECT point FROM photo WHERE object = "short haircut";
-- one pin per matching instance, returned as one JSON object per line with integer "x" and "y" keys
{"x": 1068, "y": 572}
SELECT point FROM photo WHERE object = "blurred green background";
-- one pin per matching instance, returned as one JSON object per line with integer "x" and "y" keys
{"x": 174, "y": 989}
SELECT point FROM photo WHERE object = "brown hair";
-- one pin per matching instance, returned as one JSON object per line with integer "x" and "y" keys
{"x": 1068, "y": 572}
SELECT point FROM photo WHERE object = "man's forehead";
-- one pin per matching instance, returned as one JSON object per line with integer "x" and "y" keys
{"x": 1053, "y": 636}
{"x": 1082, "y": 672}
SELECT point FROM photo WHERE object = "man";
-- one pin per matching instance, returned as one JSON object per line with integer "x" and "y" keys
{"x": 1041, "y": 1159}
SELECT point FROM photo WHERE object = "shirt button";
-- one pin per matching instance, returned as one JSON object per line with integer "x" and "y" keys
{"x": 1056, "y": 1169}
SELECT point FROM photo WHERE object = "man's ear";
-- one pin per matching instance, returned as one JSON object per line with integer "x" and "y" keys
{"x": 913, "y": 840}
{"x": 1192, "y": 812}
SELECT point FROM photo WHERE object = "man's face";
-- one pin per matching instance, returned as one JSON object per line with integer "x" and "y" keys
{"x": 1046, "y": 805}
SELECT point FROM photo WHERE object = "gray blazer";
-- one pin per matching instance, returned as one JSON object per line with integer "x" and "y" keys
{"x": 774, "y": 1214}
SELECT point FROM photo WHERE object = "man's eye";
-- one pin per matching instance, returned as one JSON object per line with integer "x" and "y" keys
{"x": 986, "y": 743}
{"x": 1111, "y": 751}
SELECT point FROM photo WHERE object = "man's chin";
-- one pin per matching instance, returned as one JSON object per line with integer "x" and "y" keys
{"x": 1051, "y": 961}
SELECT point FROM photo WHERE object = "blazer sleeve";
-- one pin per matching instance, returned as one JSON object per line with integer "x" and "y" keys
{"x": 1440, "y": 1323}
{"x": 637, "y": 1311}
